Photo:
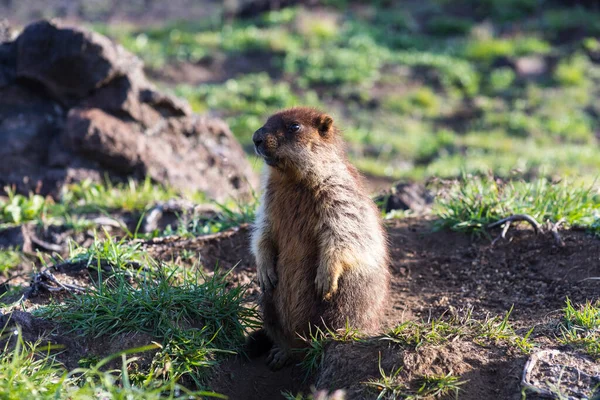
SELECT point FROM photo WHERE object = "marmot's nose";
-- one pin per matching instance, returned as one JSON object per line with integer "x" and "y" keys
{"x": 257, "y": 138}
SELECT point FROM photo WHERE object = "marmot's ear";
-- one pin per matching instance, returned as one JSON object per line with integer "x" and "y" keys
{"x": 324, "y": 124}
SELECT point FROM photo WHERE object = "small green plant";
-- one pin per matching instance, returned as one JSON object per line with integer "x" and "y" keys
{"x": 572, "y": 72}
{"x": 415, "y": 334}
{"x": 439, "y": 385}
{"x": 318, "y": 339}
{"x": 387, "y": 384}
{"x": 487, "y": 50}
{"x": 18, "y": 208}
{"x": 9, "y": 259}
{"x": 501, "y": 79}
{"x": 231, "y": 215}
{"x": 108, "y": 251}
{"x": 581, "y": 326}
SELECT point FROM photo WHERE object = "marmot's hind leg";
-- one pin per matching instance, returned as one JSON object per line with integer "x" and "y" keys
{"x": 280, "y": 353}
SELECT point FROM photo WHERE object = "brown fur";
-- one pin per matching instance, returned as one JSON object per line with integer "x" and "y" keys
{"x": 321, "y": 250}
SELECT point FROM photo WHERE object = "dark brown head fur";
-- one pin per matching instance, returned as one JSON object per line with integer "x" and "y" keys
{"x": 287, "y": 137}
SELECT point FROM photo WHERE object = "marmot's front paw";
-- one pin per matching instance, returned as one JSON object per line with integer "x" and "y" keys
{"x": 267, "y": 277}
{"x": 326, "y": 283}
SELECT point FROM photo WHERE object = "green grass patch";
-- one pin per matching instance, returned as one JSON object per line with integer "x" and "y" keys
{"x": 489, "y": 49}
{"x": 437, "y": 331}
{"x": 473, "y": 204}
{"x": 197, "y": 319}
{"x": 581, "y": 326}
{"x": 18, "y": 208}
{"x": 118, "y": 253}
{"x": 10, "y": 259}
{"x": 230, "y": 216}
{"x": 389, "y": 386}
{"x": 86, "y": 197}
{"x": 107, "y": 196}
{"x": 31, "y": 371}
{"x": 318, "y": 339}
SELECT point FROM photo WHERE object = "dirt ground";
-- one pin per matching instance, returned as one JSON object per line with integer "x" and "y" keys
{"x": 433, "y": 273}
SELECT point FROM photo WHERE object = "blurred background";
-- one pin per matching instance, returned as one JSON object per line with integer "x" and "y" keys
{"x": 420, "y": 88}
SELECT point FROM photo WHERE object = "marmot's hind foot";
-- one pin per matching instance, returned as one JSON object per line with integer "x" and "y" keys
{"x": 257, "y": 344}
{"x": 278, "y": 358}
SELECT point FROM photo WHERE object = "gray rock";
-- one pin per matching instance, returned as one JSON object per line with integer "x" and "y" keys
{"x": 82, "y": 108}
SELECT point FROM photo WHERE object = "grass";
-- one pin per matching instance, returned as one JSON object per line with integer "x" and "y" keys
{"x": 86, "y": 197}
{"x": 195, "y": 318}
{"x": 471, "y": 205}
{"x": 397, "y": 76}
{"x": 18, "y": 208}
{"x": 130, "y": 196}
{"x": 581, "y": 326}
{"x": 10, "y": 259}
{"x": 317, "y": 341}
{"x": 436, "y": 331}
{"x": 31, "y": 370}
{"x": 231, "y": 215}
{"x": 388, "y": 386}
{"x": 118, "y": 253}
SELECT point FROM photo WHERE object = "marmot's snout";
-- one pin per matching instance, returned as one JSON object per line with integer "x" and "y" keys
{"x": 265, "y": 146}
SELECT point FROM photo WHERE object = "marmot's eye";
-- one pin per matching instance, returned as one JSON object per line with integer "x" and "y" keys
{"x": 294, "y": 128}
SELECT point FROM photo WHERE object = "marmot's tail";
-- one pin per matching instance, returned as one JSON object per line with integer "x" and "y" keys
{"x": 257, "y": 344}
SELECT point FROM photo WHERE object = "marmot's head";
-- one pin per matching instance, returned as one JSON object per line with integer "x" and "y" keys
{"x": 297, "y": 138}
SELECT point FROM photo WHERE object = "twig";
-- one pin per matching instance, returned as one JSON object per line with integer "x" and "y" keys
{"x": 529, "y": 366}
{"x": 517, "y": 218}
{"x": 554, "y": 231}
{"x": 45, "y": 245}
{"x": 503, "y": 233}
{"x": 38, "y": 280}
{"x": 513, "y": 218}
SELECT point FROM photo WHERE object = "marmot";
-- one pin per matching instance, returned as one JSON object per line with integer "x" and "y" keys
{"x": 320, "y": 248}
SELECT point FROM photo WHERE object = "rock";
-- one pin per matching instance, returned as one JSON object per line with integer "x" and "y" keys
{"x": 6, "y": 33}
{"x": 103, "y": 138}
{"x": 74, "y": 106}
{"x": 71, "y": 62}
{"x": 561, "y": 374}
{"x": 406, "y": 196}
{"x": 530, "y": 66}
{"x": 8, "y": 59}
{"x": 174, "y": 213}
